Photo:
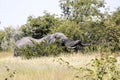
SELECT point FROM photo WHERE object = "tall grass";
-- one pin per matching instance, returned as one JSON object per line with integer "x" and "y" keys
{"x": 43, "y": 68}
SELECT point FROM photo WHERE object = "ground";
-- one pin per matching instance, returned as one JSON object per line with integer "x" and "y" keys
{"x": 43, "y": 68}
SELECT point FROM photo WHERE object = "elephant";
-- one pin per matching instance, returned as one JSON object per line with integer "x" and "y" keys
{"x": 51, "y": 38}
{"x": 28, "y": 41}
{"x": 65, "y": 41}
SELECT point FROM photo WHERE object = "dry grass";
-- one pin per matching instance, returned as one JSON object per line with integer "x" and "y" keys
{"x": 44, "y": 68}
{"x": 5, "y": 54}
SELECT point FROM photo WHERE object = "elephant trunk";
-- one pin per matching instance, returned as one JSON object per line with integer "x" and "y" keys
{"x": 83, "y": 44}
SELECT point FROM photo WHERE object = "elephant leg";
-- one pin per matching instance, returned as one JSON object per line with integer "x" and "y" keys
{"x": 76, "y": 49}
{"x": 15, "y": 52}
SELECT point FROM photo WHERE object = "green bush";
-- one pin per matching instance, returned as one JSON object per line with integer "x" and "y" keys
{"x": 100, "y": 69}
{"x": 103, "y": 68}
{"x": 38, "y": 27}
{"x": 38, "y": 50}
{"x": 2, "y": 34}
{"x": 70, "y": 28}
{"x": 46, "y": 49}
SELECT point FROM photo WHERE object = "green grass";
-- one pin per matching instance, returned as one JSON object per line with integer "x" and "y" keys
{"x": 43, "y": 68}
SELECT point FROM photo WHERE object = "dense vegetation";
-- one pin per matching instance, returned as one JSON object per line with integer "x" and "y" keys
{"x": 102, "y": 68}
{"x": 81, "y": 19}
{"x": 38, "y": 50}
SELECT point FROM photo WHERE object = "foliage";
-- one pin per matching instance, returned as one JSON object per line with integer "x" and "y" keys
{"x": 116, "y": 16}
{"x": 8, "y": 41}
{"x": 1, "y": 37}
{"x": 81, "y": 10}
{"x": 40, "y": 26}
{"x": 102, "y": 36}
{"x": 70, "y": 28}
{"x": 38, "y": 50}
{"x": 9, "y": 37}
{"x": 82, "y": 20}
{"x": 101, "y": 30}
{"x": 100, "y": 69}
{"x": 103, "y": 68}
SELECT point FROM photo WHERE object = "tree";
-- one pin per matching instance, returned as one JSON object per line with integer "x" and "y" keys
{"x": 70, "y": 28}
{"x": 8, "y": 41}
{"x": 81, "y": 10}
{"x": 2, "y": 34}
{"x": 8, "y": 38}
{"x": 116, "y": 16}
{"x": 40, "y": 26}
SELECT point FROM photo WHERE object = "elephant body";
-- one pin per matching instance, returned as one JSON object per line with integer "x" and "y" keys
{"x": 28, "y": 41}
{"x": 62, "y": 39}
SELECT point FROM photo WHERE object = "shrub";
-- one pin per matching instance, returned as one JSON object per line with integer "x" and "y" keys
{"x": 47, "y": 49}
{"x": 2, "y": 34}
{"x": 38, "y": 27}
{"x": 100, "y": 69}
{"x": 70, "y": 28}
{"x": 38, "y": 50}
{"x": 105, "y": 68}
{"x": 8, "y": 37}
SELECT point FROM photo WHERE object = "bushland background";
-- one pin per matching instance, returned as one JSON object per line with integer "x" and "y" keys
{"x": 81, "y": 19}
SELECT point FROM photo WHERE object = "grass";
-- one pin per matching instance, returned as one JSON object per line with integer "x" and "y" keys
{"x": 6, "y": 54}
{"x": 43, "y": 68}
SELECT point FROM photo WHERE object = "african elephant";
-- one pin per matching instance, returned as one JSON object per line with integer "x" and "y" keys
{"x": 51, "y": 38}
{"x": 28, "y": 41}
